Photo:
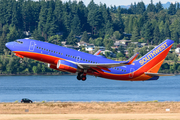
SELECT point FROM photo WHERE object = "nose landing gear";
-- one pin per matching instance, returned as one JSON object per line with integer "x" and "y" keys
{"x": 81, "y": 76}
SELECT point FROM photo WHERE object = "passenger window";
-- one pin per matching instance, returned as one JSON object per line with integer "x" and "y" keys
{"x": 61, "y": 53}
{"x": 46, "y": 49}
{"x": 39, "y": 47}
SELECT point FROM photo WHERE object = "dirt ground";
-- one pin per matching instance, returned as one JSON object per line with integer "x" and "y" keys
{"x": 152, "y": 110}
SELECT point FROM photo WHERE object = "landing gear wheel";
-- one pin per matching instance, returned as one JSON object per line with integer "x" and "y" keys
{"x": 78, "y": 77}
{"x": 83, "y": 78}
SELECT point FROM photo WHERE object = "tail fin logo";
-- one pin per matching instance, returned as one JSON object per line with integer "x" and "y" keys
{"x": 154, "y": 52}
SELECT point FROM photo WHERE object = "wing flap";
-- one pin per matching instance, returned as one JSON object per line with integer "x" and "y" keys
{"x": 158, "y": 74}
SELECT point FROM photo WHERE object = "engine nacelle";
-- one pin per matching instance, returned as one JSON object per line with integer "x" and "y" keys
{"x": 52, "y": 66}
{"x": 67, "y": 66}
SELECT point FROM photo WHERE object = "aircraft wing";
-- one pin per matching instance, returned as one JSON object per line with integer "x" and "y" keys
{"x": 107, "y": 65}
{"x": 158, "y": 74}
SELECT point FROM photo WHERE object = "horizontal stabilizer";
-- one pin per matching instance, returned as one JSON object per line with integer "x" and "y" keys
{"x": 98, "y": 52}
{"x": 158, "y": 74}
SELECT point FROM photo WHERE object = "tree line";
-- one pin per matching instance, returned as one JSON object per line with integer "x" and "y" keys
{"x": 55, "y": 21}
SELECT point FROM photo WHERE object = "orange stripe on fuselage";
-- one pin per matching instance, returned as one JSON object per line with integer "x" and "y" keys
{"x": 40, "y": 57}
{"x": 48, "y": 59}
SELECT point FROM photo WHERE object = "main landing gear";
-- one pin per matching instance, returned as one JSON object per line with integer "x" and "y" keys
{"x": 81, "y": 76}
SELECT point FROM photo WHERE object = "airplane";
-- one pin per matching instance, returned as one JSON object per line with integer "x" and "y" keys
{"x": 73, "y": 61}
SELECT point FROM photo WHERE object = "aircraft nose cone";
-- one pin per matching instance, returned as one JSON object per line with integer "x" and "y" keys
{"x": 9, "y": 45}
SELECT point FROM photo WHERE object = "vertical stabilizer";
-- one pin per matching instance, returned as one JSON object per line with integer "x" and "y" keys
{"x": 152, "y": 61}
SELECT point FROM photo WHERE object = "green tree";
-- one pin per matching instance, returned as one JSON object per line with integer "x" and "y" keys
{"x": 93, "y": 16}
{"x": 140, "y": 9}
{"x": 99, "y": 41}
{"x": 156, "y": 37}
{"x": 148, "y": 33}
{"x": 76, "y": 25}
{"x": 85, "y": 37}
{"x": 135, "y": 34}
{"x": 71, "y": 40}
{"x": 58, "y": 13}
{"x": 35, "y": 70}
{"x": 118, "y": 24}
{"x": 42, "y": 18}
{"x": 159, "y": 7}
{"x": 117, "y": 35}
{"x": 55, "y": 39}
{"x": 13, "y": 34}
{"x": 151, "y": 7}
{"x": 108, "y": 42}
{"x": 172, "y": 9}
{"x": 83, "y": 13}
{"x": 167, "y": 31}
{"x": 109, "y": 28}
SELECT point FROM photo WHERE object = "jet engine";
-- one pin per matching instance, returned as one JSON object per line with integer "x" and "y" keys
{"x": 67, "y": 66}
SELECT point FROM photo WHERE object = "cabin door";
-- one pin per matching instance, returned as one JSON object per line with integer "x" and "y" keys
{"x": 78, "y": 59}
{"x": 31, "y": 46}
{"x": 131, "y": 74}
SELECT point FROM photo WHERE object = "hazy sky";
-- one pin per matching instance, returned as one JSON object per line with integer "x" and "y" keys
{"x": 121, "y": 2}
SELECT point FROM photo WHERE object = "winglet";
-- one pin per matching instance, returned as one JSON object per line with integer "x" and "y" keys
{"x": 131, "y": 60}
{"x": 98, "y": 52}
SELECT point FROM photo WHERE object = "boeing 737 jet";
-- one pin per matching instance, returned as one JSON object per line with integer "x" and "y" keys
{"x": 69, "y": 60}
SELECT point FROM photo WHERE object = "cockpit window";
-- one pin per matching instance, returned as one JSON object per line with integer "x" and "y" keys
{"x": 20, "y": 42}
